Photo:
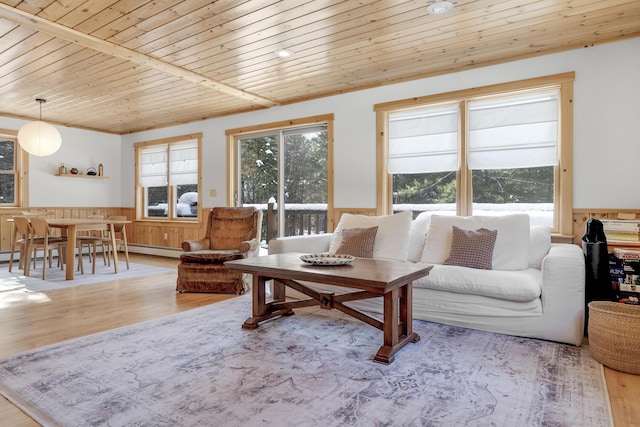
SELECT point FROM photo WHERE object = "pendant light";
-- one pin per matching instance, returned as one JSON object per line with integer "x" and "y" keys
{"x": 39, "y": 138}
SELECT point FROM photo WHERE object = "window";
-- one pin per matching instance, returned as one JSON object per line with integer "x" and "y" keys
{"x": 485, "y": 151}
{"x": 286, "y": 165}
{"x": 168, "y": 178}
{"x": 423, "y": 157}
{"x": 11, "y": 158}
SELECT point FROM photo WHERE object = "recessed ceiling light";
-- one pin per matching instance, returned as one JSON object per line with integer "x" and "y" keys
{"x": 439, "y": 7}
{"x": 283, "y": 53}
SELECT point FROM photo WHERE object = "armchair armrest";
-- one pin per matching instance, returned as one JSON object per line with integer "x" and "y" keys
{"x": 250, "y": 247}
{"x": 196, "y": 245}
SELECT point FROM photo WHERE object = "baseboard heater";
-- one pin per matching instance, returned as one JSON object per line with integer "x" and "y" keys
{"x": 154, "y": 250}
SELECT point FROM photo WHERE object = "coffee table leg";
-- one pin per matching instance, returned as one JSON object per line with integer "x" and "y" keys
{"x": 279, "y": 293}
{"x": 406, "y": 312}
{"x": 398, "y": 323}
{"x": 260, "y": 309}
{"x": 258, "y": 296}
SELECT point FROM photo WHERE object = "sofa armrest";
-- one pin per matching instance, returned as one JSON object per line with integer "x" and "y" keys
{"x": 196, "y": 245}
{"x": 563, "y": 288}
{"x": 310, "y": 243}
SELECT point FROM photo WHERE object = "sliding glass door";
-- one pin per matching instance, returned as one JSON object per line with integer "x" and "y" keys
{"x": 286, "y": 169}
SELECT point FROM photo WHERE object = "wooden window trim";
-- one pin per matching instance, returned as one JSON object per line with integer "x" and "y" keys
{"x": 233, "y": 159}
{"x": 139, "y": 191}
{"x": 563, "y": 197}
{"x": 21, "y": 198}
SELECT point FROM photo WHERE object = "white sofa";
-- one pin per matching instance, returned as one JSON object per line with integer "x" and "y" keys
{"x": 534, "y": 288}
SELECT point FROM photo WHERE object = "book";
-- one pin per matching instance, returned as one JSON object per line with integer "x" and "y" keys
{"x": 621, "y": 229}
{"x": 622, "y": 253}
{"x": 611, "y": 237}
{"x": 625, "y": 225}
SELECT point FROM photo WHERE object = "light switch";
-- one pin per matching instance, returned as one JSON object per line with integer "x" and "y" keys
{"x": 213, "y": 193}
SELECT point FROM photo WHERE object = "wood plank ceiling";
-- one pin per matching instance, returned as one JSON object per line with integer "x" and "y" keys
{"x": 122, "y": 66}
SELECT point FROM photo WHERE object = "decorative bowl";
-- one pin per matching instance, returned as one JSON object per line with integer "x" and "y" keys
{"x": 327, "y": 259}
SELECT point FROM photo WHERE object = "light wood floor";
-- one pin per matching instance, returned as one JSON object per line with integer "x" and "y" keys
{"x": 34, "y": 320}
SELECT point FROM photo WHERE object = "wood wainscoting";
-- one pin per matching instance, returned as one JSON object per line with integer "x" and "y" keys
{"x": 581, "y": 216}
{"x": 154, "y": 233}
{"x": 171, "y": 234}
{"x": 6, "y": 227}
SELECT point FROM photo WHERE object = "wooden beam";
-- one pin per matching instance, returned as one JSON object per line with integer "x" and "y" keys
{"x": 90, "y": 42}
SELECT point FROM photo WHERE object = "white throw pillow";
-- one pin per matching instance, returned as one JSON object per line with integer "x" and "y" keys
{"x": 539, "y": 245}
{"x": 392, "y": 238}
{"x": 417, "y": 236}
{"x": 511, "y": 250}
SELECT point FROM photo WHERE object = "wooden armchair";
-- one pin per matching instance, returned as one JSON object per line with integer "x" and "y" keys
{"x": 231, "y": 233}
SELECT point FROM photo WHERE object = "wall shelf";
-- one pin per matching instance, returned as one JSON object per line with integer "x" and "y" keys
{"x": 71, "y": 175}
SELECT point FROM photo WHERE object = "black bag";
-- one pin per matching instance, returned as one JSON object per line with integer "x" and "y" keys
{"x": 598, "y": 279}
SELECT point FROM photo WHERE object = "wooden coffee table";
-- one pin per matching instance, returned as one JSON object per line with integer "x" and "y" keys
{"x": 373, "y": 278}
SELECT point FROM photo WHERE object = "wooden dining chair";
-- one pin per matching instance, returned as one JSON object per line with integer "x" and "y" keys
{"x": 93, "y": 240}
{"x": 41, "y": 239}
{"x": 22, "y": 233}
{"x": 38, "y": 213}
{"x": 120, "y": 233}
{"x": 120, "y": 236}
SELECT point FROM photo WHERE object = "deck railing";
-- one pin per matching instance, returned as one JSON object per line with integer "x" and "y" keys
{"x": 299, "y": 219}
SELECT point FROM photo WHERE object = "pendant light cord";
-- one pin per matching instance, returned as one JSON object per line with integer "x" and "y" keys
{"x": 40, "y": 101}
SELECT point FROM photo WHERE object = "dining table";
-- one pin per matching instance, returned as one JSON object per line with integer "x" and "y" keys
{"x": 74, "y": 225}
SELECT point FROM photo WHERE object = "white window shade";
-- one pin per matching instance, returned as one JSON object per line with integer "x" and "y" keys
{"x": 153, "y": 166}
{"x": 514, "y": 132}
{"x": 184, "y": 163}
{"x": 423, "y": 141}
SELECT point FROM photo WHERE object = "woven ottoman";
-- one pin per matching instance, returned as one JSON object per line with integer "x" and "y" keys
{"x": 614, "y": 335}
{"x": 204, "y": 271}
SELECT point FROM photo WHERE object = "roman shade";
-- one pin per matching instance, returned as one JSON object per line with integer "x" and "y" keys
{"x": 175, "y": 163}
{"x": 153, "y": 166}
{"x": 424, "y": 140}
{"x": 514, "y": 132}
{"x": 184, "y": 162}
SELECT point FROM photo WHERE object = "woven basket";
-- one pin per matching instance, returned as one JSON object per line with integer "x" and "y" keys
{"x": 614, "y": 335}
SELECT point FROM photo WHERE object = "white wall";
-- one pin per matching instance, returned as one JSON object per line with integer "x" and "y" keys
{"x": 606, "y": 119}
{"x": 81, "y": 149}
{"x": 606, "y": 142}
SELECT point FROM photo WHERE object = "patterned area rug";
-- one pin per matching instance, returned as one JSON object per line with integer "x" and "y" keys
{"x": 17, "y": 281}
{"x": 313, "y": 369}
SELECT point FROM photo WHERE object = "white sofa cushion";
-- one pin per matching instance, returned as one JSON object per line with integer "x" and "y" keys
{"x": 511, "y": 251}
{"x": 539, "y": 245}
{"x": 417, "y": 236}
{"x": 467, "y": 308}
{"x": 392, "y": 238}
{"x": 523, "y": 285}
